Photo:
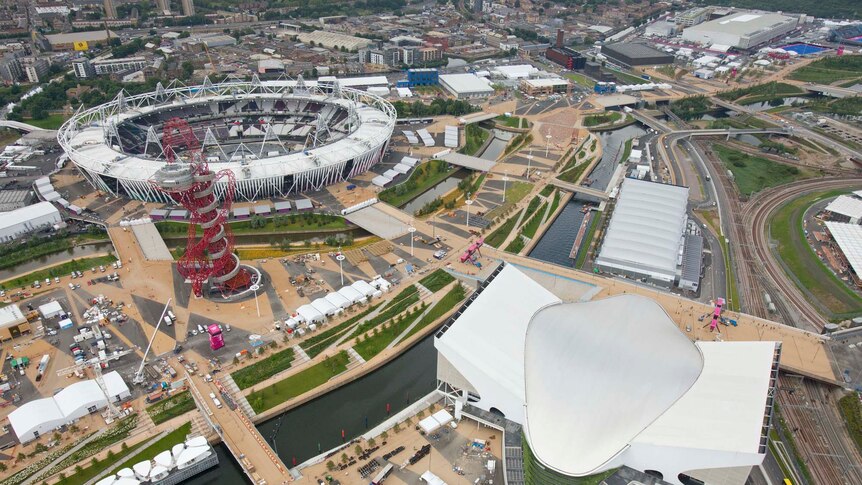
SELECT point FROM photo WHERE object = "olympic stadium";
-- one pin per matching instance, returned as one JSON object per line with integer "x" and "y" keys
{"x": 276, "y": 137}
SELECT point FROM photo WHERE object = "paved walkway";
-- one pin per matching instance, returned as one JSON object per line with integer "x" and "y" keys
{"x": 66, "y": 454}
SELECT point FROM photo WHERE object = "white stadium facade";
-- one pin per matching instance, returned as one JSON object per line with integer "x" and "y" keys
{"x": 597, "y": 386}
{"x": 277, "y": 137}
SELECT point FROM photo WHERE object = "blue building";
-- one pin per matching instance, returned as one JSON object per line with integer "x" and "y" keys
{"x": 422, "y": 77}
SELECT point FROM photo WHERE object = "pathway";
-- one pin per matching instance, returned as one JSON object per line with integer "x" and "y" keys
{"x": 67, "y": 454}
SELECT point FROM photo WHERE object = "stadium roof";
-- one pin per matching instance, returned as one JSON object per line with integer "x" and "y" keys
{"x": 646, "y": 228}
{"x": 849, "y": 239}
{"x": 846, "y": 206}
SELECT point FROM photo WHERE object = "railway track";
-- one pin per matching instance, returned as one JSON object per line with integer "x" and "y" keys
{"x": 754, "y": 226}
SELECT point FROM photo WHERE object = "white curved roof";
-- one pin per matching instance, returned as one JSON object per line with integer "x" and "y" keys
{"x": 364, "y": 288}
{"x": 612, "y": 367}
{"x": 310, "y": 314}
{"x": 159, "y": 472}
{"x": 352, "y": 294}
{"x": 323, "y": 306}
{"x": 646, "y": 228}
{"x": 338, "y": 299}
{"x": 142, "y": 469}
{"x": 177, "y": 450}
{"x": 107, "y": 480}
{"x": 125, "y": 473}
{"x": 197, "y": 441}
{"x": 190, "y": 455}
{"x": 164, "y": 459}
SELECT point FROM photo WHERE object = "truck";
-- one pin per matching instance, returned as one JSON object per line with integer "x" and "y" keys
{"x": 155, "y": 396}
{"x": 172, "y": 316}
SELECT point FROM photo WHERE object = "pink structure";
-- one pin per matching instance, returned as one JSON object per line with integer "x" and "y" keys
{"x": 716, "y": 314}
{"x": 472, "y": 250}
{"x": 216, "y": 337}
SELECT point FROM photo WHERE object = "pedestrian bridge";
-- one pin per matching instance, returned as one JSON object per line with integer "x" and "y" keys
{"x": 17, "y": 125}
{"x": 578, "y": 189}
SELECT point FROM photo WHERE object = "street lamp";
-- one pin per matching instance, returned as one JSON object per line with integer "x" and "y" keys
{"x": 529, "y": 162}
{"x": 505, "y": 179}
{"x": 469, "y": 203}
{"x": 411, "y": 230}
{"x": 340, "y": 258}
{"x": 547, "y": 144}
{"x": 254, "y": 288}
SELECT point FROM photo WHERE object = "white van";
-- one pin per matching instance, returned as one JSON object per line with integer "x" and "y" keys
{"x": 172, "y": 316}
{"x": 168, "y": 321}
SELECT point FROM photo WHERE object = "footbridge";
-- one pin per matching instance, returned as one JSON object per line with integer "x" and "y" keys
{"x": 17, "y": 125}
{"x": 578, "y": 189}
{"x": 831, "y": 91}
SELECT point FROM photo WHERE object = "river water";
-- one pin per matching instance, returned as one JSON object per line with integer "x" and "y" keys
{"x": 556, "y": 244}
{"x": 436, "y": 191}
{"x": 314, "y": 427}
{"x": 76, "y": 252}
{"x": 497, "y": 145}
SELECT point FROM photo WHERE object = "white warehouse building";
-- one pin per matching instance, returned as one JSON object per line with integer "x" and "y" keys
{"x": 603, "y": 384}
{"x": 466, "y": 86}
{"x": 41, "y": 416}
{"x": 17, "y": 223}
{"x": 645, "y": 238}
{"x": 743, "y": 30}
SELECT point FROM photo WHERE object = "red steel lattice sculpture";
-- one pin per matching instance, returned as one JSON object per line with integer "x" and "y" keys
{"x": 208, "y": 257}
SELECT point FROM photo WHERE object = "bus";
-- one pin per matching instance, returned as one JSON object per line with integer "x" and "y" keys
{"x": 787, "y": 481}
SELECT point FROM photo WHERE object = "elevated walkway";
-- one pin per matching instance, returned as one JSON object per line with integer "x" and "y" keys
{"x": 831, "y": 91}
{"x": 17, "y": 125}
{"x": 578, "y": 189}
{"x": 257, "y": 460}
{"x": 382, "y": 220}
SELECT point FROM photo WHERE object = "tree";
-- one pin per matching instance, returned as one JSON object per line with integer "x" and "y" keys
{"x": 344, "y": 458}
{"x": 187, "y": 69}
{"x": 330, "y": 465}
{"x": 371, "y": 443}
{"x": 357, "y": 449}
{"x": 384, "y": 435}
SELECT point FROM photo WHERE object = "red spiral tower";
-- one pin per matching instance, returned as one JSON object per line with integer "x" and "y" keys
{"x": 208, "y": 257}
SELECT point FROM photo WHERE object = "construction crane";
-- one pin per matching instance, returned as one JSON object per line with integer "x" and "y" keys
{"x": 139, "y": 376}
{"x": 96, "y": 365}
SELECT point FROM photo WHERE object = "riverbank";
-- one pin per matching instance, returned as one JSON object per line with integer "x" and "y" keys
{"x": 352, "y": 374}
{"x": 61, "y": 269}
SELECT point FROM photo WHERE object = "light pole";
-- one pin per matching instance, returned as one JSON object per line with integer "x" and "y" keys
{"x": 529, "y": 162}
{"x": 547, "y": 144}
{"x": 254, "y": 288}
{"x": 505, "y": 179}
{"x": 411, "y": 230}
{"x": 340, "y": 258}
{"x": 469, "y": 203}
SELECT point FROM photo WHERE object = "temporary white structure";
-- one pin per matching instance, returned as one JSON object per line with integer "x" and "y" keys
{"x": 363, "y": 287}
{"x": 352, "y": 294}
{"x": 310, "y": 314}
{"x": 51, "y": 309}
{"x": 435, "y": 421}
{"x": 323, "y": 306}
{"x": 381, "y": 284}
{"x": 338, "y": 300}
{"x": 431, "y": 479}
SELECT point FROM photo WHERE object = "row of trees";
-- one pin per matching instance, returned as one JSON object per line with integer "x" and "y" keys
{"x": 440, "y": 106}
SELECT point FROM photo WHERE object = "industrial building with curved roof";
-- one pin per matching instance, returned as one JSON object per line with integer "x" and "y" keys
{"x": 609, "y": 383}
{"x": 276, "y": 137}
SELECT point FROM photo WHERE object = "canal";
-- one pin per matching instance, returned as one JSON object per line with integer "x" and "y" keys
{"x": 497, "y": 145}
{"x": 557, "y": 241}
{"x": 76, "y": 252}
{"x": 436, "y": 191}
{"x": 315, "y": 427}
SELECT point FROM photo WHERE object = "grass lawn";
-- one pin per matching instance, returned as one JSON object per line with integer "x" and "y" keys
{"x": 319, "y": 342}
{"x": 372, "y": 343}
{"x": 263, "y": 369}
{"x": 529, "y": 229}
{"x": 572, "y": 174}
{"x": 752, "y": 174}
{"x": 165, "y": 443}
{"x": 424, "y": 176}
{"x": 580, "y": 79}
{"x": 516, "y": 245}
{"x": 299, "y": 383}
{"x": 500, "y": 234}
{"x": 554, "y": 204}
{"x": 170, "y": 408}
{"x": 805, "y": 268}
{"x": 475, "y": 138}
{"x": 52, "y": 122}
{"x": 63, "y": 269}
{"x": 627, "y": 78}
{"x": 515, "y": 192}
{"x": 851, "y": 411}
{"x": 511, "y": 121}
{"x": 588, "y": 239}
{"x": 829, "y": 69}
{"x": 627, "y": 151}
{"x": 276, "y": 224}
{"x": 602, "y": 118}
{"x": 447, "y": 303}
{"x": 761, "y": 92}
{"x": 436, "y": 280}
